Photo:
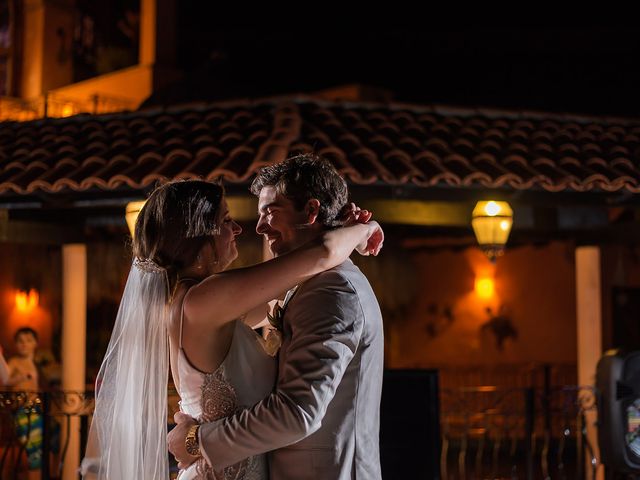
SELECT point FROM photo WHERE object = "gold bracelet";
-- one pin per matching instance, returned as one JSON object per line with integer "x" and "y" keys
{"x": 192, "y": 442}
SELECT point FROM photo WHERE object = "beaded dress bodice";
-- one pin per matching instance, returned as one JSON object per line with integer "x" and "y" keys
{"x": 245, "y": 376}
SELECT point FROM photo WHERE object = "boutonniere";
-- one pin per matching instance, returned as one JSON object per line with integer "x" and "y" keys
{"x": 276, "y": 317}
{"x": 273, "y": 340}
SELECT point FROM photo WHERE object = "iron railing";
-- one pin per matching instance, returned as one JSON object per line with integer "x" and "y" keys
{"x": 487, "y": 432}
{"x": 27, "y": 417}
{"x": 55, "y": 105}
{"x": 516, "y": 433}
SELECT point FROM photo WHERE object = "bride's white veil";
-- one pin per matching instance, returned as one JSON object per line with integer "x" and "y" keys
{"x": 128, "y": 435}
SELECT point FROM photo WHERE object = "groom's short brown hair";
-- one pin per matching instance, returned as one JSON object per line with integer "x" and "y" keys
{"x": 304, "y": 177}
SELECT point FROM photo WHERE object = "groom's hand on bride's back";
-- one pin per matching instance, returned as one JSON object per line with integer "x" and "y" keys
{"x": 177, "y": 437}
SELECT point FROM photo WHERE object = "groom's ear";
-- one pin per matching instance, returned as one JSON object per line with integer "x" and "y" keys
{"x": 312, "y": 210}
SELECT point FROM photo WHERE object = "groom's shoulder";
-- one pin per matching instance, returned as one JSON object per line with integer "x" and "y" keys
{"x": 343, "y": 277}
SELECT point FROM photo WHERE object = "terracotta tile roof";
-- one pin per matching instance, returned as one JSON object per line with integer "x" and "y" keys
{"x": 370, "y": 144}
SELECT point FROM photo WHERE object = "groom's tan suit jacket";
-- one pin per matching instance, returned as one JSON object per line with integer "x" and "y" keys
{"x": 322, "y": 421}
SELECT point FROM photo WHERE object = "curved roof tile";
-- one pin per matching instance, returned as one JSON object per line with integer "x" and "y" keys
{"x": 370, "y": 144}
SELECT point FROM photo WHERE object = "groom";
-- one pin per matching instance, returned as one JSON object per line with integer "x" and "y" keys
{"x": 322, "y": 420}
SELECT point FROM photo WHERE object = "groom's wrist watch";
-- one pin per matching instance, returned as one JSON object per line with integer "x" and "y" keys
{"x": 192, "y": 442}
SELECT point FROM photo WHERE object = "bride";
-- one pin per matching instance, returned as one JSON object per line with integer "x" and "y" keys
{"x": 181, "y": 309}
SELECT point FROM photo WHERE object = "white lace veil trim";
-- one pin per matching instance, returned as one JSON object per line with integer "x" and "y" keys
{"x": 128, "y": 435}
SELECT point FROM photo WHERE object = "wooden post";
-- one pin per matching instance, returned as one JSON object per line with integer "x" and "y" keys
{"x": 74, "y": 318}
{"x": 147, "y": 50}
{"x": 589, "y": 330}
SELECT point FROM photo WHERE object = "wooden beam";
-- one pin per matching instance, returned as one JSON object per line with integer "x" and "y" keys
{"x": 243, "y": 208}
{"x": 16, "y": 231}
{"x": 417, "y": 212}
{"x": 400, "y": 212}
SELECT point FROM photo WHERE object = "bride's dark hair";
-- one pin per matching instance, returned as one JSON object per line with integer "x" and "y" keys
{"x": 176, "y": 221}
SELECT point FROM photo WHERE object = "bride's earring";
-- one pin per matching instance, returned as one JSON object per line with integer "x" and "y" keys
{"x": 199, "y": 265}
{"x": 214, "y": 255}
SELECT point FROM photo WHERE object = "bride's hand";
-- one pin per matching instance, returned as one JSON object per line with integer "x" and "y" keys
{"x": 352, "y": 214}
{"x": 373, "y": 244}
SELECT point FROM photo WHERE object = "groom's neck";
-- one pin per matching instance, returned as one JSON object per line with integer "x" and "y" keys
{"x": 305, "y": 234}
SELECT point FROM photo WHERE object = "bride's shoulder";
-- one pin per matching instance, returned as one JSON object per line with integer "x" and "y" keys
{"x": 178, "y": 297}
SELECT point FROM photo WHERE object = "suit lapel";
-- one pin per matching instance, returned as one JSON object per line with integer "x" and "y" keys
{"x": 290, "y": 293}
{"x": 287, "y": 298}
{"x": 285, "y": 303}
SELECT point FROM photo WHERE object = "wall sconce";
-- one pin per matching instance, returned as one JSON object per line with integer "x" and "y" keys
{"x": 131, "y": 215}
{"x": 485, "y": 287}
{"x": 27, "y": 301}
{"x": 491, "y": 222}
{"x": 67, "y": 110}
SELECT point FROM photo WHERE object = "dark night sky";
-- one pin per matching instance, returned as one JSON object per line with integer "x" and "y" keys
{"x": 581, "y": 70}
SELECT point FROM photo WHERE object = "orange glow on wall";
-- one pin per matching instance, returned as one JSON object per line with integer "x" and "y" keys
{"x": 67, "y": 110}
{"x": 131, "y": 214}
{"x": 485, "y": 287}
{"x": 27, "y": 301}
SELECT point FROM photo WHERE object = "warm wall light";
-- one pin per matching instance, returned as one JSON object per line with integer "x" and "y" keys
{"x": 131, "y": 214}
{"x": 27, "y": 301}
{"x": 491, "y": 221}
{"x": 67, "y": 110}
{"x": 485, "y": 287}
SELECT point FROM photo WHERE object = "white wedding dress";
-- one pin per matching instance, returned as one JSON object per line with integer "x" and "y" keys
{"x": 245, "y": 376}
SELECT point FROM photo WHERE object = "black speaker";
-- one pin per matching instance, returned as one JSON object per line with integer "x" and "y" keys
{"x": 618, "y": 396}
{"x": 410, "y": 425}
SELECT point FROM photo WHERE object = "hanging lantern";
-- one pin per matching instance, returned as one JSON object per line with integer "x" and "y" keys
{"x": 131, "y": 214}
{"x": 491, "y": 222}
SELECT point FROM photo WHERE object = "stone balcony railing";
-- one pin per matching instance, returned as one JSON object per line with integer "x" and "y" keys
{"x": 54, "y": 105}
